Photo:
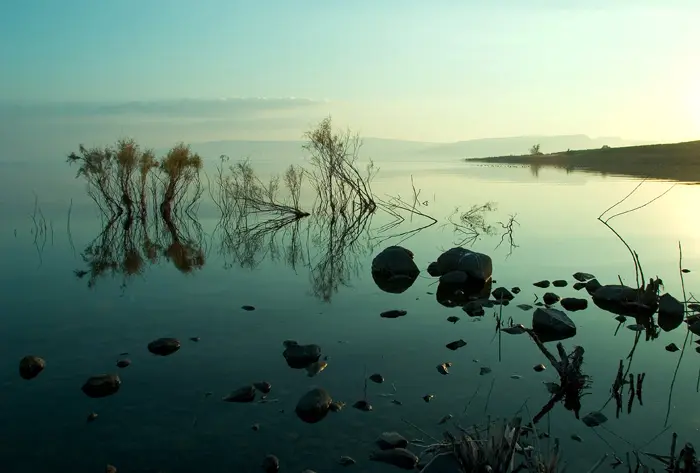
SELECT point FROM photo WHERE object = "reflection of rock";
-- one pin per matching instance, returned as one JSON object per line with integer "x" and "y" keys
{"x": 314, "y": 405}
{"x": 301, "y": 356}
{"x": 671, "y": 312}
{"x": 552, "y": 324}
{"x": 453, "y": 295}
{"x": 477, "y": 266}
{"x": 394, "y": 270}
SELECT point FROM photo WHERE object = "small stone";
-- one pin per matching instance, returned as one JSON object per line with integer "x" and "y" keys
{"x": 389, "y": 440}
{"x": 550, "y": 298}
{"x": 539, "y": 368}
{"x": 514, "y": 329}
{"x": 560, "y": 283}
{"x": 501, "y": 294}
{"x": 428, "y": 397}
{"x": 242, "y": 394}
{"x": 583, "y": 277}
{"x": 515, "y": 290}
{"x": 453, "y": 318}
{"x": 456, "y": 344}
{"x": 164, "y": 346}
{"x": 442, "y": 368}
{"x": 263, "y": 386}
{"x": 92, "y": 416}
{"x": 579, "y": 285}
{"x": 543, "y": 284}
{"x": 694, "y": 307}
{"x": 314, "y": 405}
{"x": 101, "y": 385}
{"x": 672, "y": 347}
{"x": 576, "y": 437}
{"x": 195, "y": 339}
{"x": 123, "y": 363}
{"x": 393, "y": 314}
{"x": 346, "y": 460}
{"x": 255, "y": 427}
{"x": 621, "y": 318}
{"x": 377, "y": 378}
{"x": 594, "y": 419}
{"x": 271, "y": 464}
{"x": 30, "y": 366}
{"x": 573, "y": 304}
{"x": 248, "y": 308}
{"x": 362, "y": 405}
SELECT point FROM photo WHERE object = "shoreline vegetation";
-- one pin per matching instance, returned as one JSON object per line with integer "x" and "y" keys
{"x": 673, "y": 162}
{"x": 149, "y": 206}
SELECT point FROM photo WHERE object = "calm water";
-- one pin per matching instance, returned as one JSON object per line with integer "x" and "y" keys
{"x": 308, "y": 285}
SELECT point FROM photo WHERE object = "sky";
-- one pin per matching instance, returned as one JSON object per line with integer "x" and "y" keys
{"x": 427, "y": 71}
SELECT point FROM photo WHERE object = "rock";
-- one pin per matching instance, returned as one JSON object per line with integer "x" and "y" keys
{"x": 301, "y": 356}
{"x": 473, "y": 309}
{"x": 543, "y": 284}
{"x": 195, "y": 339}
{"x": 553, "y": 322}
{"x": 248, "y": 308}
{"x": 337, "y": 406}
{"x": 377, "y": 378}
{"x": 428, "y": 397}
{"x": 694, "y": 307}
{"x": 30, "y": 366}
{"x": 502, "y": 294}
{"x": 453, "y": 318}
{"x": 695, "y": 327}
{"x": 583, "y": 277}
{"x": 550, "y": 298}
{"x": 671, "y": 313}
{"x": 539, "y": 368}
{"x": 271, "y": 464}
{"x": 443, "y": 463}
{"x": 346, "y": 460}
{"x": 560, "y": 283}
{"x": 454, "y": 277}
{"x": 514, "y": 329}
{"x": 363, "y": 405}
{"x": 456, "y": 344}
{"x": 579, "y": 285}
{"x": 92, "y": 417}
{"x": 389, "y": 440}
{"x": 442, "y": 368}
{"x": 621, "y": 318}
{"x": 594, "y": 419}
{"x": 672, "y": 347}
{"x": 164, "y": 346}
{"x": 242, "y": 394}
{"x": 263, "y": 386}
{"x": 110, "y": 469}
{"x": 515, "y": 290}
{"x": 573, "y": 304}
{"x": 477, "y": 266}
{"x": 394, "y": 270}
{"x": 123, "y": 363}
{"x": 592, "y": 286}
{"x": 524, "y": 306}
{"x": 315, "y": 368}
{"x": 393, "y": 314}
{"x": 101, "y": 385}
{"x": 623, "y": 300}
{"x": 314, "y": 405}
{"x": 399, "y": 457}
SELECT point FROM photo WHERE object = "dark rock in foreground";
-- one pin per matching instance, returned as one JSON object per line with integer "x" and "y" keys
{"x": 102, "y": 385}
{"x": 164, "y": 346}
{"x": 573, "y": 304}
{"x": 559, "y": 283}
{"x": 394, "y": 270}
{"x": 552, "y": 324}
{"x": 300, "y": 356}
{"x": 314, "y": 405}
{"x": 30, "y": 366}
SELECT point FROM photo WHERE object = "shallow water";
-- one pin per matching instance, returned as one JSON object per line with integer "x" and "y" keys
{"x": 161, "y": 420}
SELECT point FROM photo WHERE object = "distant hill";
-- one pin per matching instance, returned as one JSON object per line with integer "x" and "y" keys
{"x": 521, "y": 144}
{"x": 674, "y": 161}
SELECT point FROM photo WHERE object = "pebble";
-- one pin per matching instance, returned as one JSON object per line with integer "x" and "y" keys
{"x": 30, "y": 366}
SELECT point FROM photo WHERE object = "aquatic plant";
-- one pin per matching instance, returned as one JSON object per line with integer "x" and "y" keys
{"x": 180, "y": 168}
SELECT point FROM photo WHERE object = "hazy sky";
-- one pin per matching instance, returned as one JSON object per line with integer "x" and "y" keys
{"x": 440, "y": 70}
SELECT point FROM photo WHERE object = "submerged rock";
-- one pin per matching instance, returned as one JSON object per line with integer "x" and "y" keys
{"x": 389, "y": 440}
{"x": 101, "y": 385}
{"x": 393, "y": 314}
{"x": 300, "y": 356}
{"x": 164, "y": 346}
{"x": 30, "y": 366}
{"x": 394, "y": 270}
{"x": 399, "y": 457}
{"x": 552, "y": 323}
{"x": 242, "y": 394}
{"x": 573, "y": 304}
{"x": 314, "y": 405}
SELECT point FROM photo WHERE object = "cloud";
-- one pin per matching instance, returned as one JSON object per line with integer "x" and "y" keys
{"x": 223, "y": 108}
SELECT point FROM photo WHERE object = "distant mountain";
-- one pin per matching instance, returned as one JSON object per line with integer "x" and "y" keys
{"x": 518, "y": 145}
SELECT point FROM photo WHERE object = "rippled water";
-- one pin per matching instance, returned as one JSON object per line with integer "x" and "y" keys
{"x": 308, "y": 284}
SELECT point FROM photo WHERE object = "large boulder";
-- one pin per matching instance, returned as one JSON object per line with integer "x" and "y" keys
{"x": 552, "y": 324}
{"x": 476, "y": 266}
{"x": 623, "y": 300}
{"x": 394, "y": 270}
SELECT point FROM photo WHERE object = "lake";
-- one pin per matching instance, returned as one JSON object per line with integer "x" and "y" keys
{"x": 311, "y": 282}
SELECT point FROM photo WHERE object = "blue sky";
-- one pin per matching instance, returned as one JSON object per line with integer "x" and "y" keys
{"x": 439, "y": 70}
